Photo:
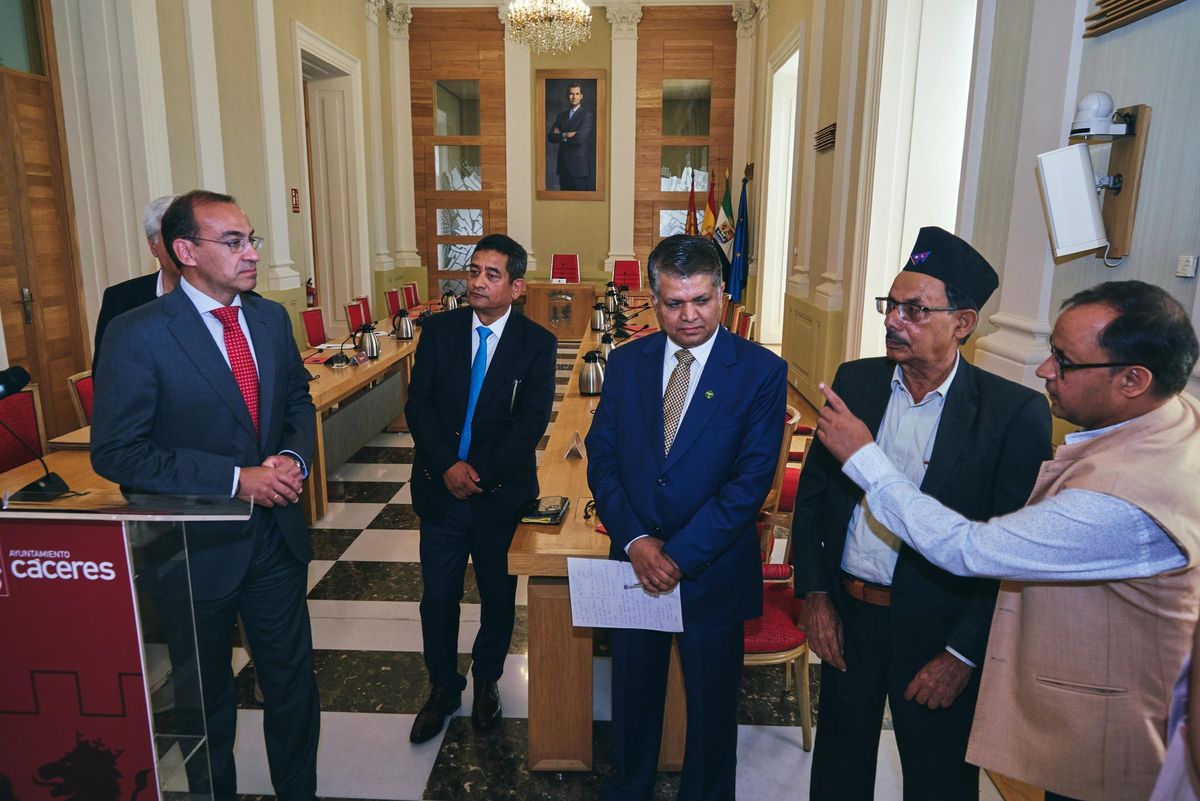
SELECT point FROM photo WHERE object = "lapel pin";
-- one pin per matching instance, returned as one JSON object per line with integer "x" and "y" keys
{"x": 708, "y": 393}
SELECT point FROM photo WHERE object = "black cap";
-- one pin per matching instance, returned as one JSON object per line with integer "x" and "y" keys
{"x": 942, "y": 255}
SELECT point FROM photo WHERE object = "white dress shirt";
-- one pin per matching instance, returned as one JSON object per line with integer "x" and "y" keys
{"x": 497, "y": 329}
{"x": 206, "y": 306}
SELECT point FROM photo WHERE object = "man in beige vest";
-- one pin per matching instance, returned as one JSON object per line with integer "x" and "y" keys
{"x": 1101, "y": 593}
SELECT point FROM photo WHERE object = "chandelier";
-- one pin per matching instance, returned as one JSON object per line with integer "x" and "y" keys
{"x": 549, "y": 26}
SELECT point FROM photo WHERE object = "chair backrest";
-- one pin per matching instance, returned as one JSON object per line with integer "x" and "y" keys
{"x": 314, "y": 326}
{"x": 366, "y": 307}
{"x": 82, "y": 395}
{"x": 22, "y": 411}
{"x": 412, "y": 297}
{"x": 791, "y": 418}
{"x": 746, "y": 326}
{"x": 627, "y": 272}
{"x": 355, "y": 316}
{"x": 565, "y": 266}
{"x": 735, "y": 318}
{"x": 393, "y": 301}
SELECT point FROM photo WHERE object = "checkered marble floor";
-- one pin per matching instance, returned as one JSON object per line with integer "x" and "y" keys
{"x": 364, "y": 590}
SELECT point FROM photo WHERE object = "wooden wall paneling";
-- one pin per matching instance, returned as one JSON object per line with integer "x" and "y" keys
{"x": 708, "y": 49}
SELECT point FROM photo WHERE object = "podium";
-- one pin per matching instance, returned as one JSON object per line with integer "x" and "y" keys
{"x": 563, "y": 309}
{"x": 99, "y": 684}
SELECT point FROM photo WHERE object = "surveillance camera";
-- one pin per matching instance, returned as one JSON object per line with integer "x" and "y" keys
{"x": 1094, "y": 116}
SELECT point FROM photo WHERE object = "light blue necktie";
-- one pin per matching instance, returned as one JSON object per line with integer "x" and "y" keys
{"x": 478, "y": 369}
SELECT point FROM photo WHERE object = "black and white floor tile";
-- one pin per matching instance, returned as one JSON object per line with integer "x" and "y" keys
{"x": 364, "y": 590}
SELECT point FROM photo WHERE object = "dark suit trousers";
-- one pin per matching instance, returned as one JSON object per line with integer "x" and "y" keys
{"x": 711, "y": 658}
{"x": 932, "y": 743}
{"x": 445, "y": 546}
{"x": 273, "y": 606}
{"x": 573, "y": 183}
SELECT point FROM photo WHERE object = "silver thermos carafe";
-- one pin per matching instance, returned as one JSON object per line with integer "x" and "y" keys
{"x": 402, "y": 327}
{"x": 591, "y": 376}
{"x": 599, "y": 317}
{"x": 612, "y": 302}
{"x": 367, "y": 341}
{"x": 606, "y": 345}
{"x": 449, "y": 301}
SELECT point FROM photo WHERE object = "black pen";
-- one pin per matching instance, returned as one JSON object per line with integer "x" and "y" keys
{"x": 633, "y": 586}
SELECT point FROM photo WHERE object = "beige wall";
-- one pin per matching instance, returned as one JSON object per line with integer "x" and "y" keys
{"x": 172, "y": 43}
{"x": 573, "y": 226}
{"x": 1153, "y": 61}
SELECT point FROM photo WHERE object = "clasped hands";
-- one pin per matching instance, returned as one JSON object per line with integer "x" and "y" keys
{"x": 462, "y": 480}
{"x": 276, "y": 483}
{"x": 655, "y": 570}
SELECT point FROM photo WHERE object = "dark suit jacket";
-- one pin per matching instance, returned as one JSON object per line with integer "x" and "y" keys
{"x": 574, "y": 154}
{"x": 118, "y": 299}
{"x": 703, "y": 497}
{"x": 173, "y": 421}
{"x": 511, "y": 413}
{"x": 993, "y": 436}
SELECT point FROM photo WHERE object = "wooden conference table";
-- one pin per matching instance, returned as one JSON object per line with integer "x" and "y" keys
{"x": 560, "y": 655}
{"x": 334, "y": 386}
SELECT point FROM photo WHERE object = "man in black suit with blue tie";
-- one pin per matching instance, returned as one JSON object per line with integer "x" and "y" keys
{"x": 212, "y": 399}
{"x": 572, "y": 132}
{"x": 479, "y": 400}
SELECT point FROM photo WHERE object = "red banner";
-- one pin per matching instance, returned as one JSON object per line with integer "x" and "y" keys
{"x": 74, "y": 718}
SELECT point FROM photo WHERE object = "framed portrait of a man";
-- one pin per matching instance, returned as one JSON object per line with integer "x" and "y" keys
{"x": 572, "y": 134}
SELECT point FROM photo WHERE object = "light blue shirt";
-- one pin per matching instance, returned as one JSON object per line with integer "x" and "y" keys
{"x": 206, "y": 305}
{"x": 1073, "y": 535}
{"x": 906, "y": 434}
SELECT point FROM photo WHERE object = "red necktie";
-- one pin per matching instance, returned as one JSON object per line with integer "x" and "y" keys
{"x": 240, "y": 359}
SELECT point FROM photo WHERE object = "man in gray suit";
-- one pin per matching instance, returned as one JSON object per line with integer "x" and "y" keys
{"x": 212, "y": 399}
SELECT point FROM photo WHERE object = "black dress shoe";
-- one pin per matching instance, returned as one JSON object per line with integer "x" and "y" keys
{"x": 433, "y": 715}
{"x": 485, "y": 712}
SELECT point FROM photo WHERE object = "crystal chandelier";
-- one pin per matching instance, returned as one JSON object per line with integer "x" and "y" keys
{"x": 549, "y": 26}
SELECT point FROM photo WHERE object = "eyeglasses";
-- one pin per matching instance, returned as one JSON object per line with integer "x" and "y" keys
{"x": 909, "y": 312}
{"x": 235, "y": 245}
{"x": 1062, "y": 364}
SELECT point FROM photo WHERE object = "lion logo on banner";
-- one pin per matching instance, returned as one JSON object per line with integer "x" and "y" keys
{"x": 88, "y": 772}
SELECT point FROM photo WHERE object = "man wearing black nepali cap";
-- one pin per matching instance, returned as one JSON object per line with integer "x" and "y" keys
{"x": 886, "y": 623}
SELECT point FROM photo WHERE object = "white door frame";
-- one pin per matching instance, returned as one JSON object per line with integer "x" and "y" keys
{"x": 792, "y": 46}
{"x": 311, "y": 47}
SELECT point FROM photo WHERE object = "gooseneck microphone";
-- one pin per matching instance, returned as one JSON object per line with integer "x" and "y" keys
{"x": 50, "y": 485}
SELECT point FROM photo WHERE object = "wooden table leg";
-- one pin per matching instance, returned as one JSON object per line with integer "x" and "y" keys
{"x": 315, "y": 496}
{"x": 670, "y": 753}
{"x": 560, "y": 681}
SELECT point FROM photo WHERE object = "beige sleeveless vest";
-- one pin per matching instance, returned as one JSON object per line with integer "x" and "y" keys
{"x": 1077, "y": 680}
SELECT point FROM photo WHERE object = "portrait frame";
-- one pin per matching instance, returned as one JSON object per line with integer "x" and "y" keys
{"x": 551, "y": 101}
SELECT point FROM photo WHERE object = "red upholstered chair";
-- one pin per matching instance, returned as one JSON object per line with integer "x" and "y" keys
{"x": 412, "y": 295}
{"x": 746, "y": 326}
{"x": 628, "y": 272}
{"x": 82, "y": 395}
{"x": 366, "y": 307}
{"x": 314, "y": 326}
{"x": 355, "y": 316}
{"x": 392, "y": 296}
{"x": 22, "y": 411}
{"x": 566, "y": 267}
{"x": 771, "y": 504}
{"x": 777, "y": 639}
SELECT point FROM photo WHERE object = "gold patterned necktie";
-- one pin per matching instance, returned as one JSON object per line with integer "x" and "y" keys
{"x": 675, "y": 395}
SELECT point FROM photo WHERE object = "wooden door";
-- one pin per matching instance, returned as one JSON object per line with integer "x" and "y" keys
{"x": 41, "y": 289}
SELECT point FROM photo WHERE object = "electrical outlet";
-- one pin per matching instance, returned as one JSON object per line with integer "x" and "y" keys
{"x": 1185, "y": 267}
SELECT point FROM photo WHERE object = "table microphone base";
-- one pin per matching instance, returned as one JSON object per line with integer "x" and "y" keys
{"x": 46, "y": 488}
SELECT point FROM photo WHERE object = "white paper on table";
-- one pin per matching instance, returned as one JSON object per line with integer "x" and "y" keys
{"x": 599, "y": 598}
{"x": 333, "y": 346}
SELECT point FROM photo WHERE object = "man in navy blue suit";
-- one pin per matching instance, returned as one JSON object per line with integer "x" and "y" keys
{"x": 572, "y": 132}
{"x": 206, "y": 395}
{"x": 681, "y": 454}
